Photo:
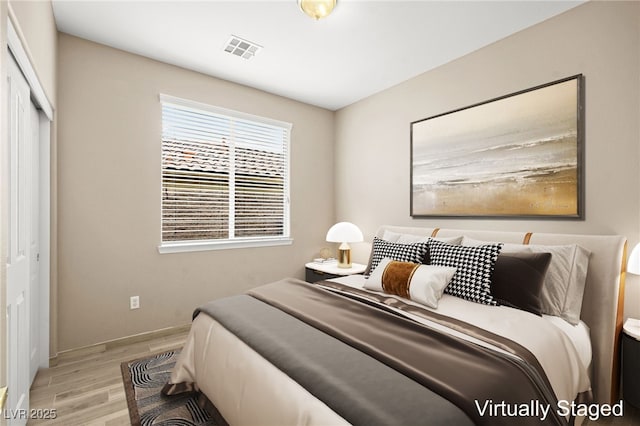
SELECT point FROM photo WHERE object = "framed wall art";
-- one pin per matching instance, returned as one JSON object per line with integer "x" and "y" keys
{"x": 518, "y": 155}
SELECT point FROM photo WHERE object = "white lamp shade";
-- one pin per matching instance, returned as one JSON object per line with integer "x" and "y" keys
{"x": 344, "y": 232}
{"x": 633, "y": 266}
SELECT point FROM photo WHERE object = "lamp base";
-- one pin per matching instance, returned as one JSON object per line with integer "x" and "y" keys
{"x": 344, "y": 256}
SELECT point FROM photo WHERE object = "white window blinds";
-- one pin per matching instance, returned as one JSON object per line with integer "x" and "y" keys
{"x": 225, "y": 174}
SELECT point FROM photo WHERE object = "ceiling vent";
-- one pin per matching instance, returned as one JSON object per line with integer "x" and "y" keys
{"x": 240, "y": 47}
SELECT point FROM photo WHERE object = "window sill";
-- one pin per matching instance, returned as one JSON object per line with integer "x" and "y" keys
{"x": 182, "y": 247}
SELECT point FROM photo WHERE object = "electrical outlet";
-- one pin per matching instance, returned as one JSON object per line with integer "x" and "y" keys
{"x": 134, "y": 302}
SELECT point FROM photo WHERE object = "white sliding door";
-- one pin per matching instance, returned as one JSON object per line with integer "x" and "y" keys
{"x": 34, "y": 241}
{"x": 19, "y": 256}
{"x": 25, "y": 188}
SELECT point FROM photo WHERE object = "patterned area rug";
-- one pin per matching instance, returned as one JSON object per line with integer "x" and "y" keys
{"x": 143, "y": 381}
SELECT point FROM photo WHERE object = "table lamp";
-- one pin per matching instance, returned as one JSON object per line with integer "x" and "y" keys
{"x": 633, "y": 265}
{"x": 344, "y": 233}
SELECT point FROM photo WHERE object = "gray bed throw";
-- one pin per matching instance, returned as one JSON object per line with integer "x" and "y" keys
{"x": 374, "y": 367}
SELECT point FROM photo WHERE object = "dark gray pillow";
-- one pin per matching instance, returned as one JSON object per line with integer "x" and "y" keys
{"x": 518, "y": 278}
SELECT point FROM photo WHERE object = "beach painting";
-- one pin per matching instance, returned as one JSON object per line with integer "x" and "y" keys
{"x": 518, "y": 156}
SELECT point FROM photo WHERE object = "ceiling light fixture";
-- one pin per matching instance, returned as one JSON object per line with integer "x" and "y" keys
{"x": 317, "y": 9}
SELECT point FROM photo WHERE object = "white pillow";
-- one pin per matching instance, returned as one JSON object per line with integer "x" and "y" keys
{"x": 396, "y": 237}
{"x": 563, "y": 287}
{"x": 426, "y": 282}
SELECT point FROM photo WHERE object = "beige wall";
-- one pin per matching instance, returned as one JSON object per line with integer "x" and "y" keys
{"x": 38, "y": 30}
{"x": 599, "y": 39}
{"x": 109, "y": 131}
{"x": 109, "y": 164}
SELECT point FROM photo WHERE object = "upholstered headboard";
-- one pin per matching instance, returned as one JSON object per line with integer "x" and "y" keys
{"x": 603, "y": 297}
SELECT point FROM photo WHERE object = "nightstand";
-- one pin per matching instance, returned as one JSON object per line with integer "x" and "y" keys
{"x": 325, "y": 271}
{"x": 631, "y": 361}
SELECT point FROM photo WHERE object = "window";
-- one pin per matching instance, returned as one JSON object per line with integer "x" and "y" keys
{"x": 225, "y": 178}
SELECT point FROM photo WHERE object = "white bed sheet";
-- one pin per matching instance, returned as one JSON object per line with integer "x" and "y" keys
{"x": 248, "y": 389}
{"x": 245, "y": 387}
{"x": 563, "y": 350}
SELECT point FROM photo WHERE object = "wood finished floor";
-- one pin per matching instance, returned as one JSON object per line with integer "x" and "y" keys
{"x": 85, "y": 387}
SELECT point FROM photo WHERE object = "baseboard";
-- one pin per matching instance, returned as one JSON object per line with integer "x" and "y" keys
{"x": 122, "y": 341}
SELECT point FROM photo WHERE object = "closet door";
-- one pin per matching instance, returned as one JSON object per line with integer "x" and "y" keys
{"x": 35, "y": 290}
{"x": 19, "y": 254}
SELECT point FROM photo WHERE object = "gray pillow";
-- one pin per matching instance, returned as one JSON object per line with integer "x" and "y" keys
{"x": 563, "y": 287}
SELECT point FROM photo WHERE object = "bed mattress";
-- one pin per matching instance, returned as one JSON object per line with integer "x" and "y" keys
{"x": 509, "y": 322}
{"x": 248, "y": 389}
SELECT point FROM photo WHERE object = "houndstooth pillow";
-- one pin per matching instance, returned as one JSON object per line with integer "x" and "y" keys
{"x": 414, "y": 253}
{"x": 472, "y": 280}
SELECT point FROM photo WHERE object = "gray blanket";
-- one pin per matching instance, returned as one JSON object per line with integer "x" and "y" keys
{"x": 374, "y": 367}
{"x": 344, "y": 378}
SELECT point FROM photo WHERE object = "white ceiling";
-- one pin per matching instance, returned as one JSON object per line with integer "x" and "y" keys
{"x": 363, "y": 47}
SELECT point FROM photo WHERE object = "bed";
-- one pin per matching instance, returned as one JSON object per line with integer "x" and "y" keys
{"x": 337, "y": 353}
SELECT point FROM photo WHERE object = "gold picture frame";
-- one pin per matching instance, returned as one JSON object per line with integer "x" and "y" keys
{"x": 516, "y": 156}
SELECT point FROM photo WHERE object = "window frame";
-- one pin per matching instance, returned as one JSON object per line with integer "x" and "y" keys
{"x": 235, "y": 242}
